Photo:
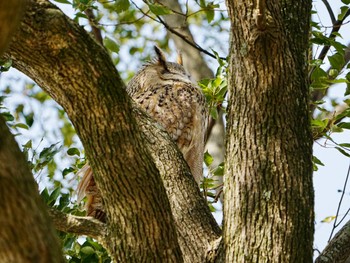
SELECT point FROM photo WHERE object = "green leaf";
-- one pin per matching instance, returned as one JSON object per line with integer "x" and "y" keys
{"x": 208, "y": 159}
{"x": 62, "y": 2}
{"x": 5, "y": 65}
{"x": 317, "y": 161}
{"x": 210, "y": 15}
{"x": 346, "y": 1}
{"x": 111, "y": 45}
{"x": 159, "y": 10}
{"x": 344, "y": 125}
{"x": 336, "y": 128}
{"x": 342, "y": 151}
{"x": 8, "y": 116}
{"x": 45, "y": 195}
{"x": 67, "y": 171}
{"x": 219, "y": 171}
{"x": 121, "y": 5}
{"x": 49, "y": 151}
{"x": 347, "y": 145}
{"x": 54, "y": 195}
{"x": 28, "y": 144}
{"x": 87, "y": 250}
{"x": 328, "y": 219}
{"x": 318, "y": 73}
{"x": 337, "y": 61}
{"x": 21, "y": 125}
{"x": 343, "y": 11}
{"x": 73, "y": 151}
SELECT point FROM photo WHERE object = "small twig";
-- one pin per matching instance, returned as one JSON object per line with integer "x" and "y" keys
{"x": 184, "y": 38}
{"x": 336, "y": 27}
{"x": 170, "y": 29}
{"x": 92, "y": 21}
{"x": 339, "y": 204}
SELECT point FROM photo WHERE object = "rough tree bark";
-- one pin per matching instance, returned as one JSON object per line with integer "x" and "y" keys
{"x": 56, "y": 53}
{"x": 93, "y": 95}
{"x": 338, "y": 249}
{"x": 268, "y": 193}
{"x": 27, "y": 235}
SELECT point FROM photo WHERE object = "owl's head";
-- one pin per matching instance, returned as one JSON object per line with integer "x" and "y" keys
{"x": 158, "y": 71}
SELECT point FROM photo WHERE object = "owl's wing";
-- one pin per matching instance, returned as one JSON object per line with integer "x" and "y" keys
{"x": 180, "y": 108}
{"x": 87, "y": 188}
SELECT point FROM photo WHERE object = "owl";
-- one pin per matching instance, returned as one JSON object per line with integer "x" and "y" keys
{"x": 165, "y": 91}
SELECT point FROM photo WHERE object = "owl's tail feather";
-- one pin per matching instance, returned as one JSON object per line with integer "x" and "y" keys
{"x": 87, "y": 187}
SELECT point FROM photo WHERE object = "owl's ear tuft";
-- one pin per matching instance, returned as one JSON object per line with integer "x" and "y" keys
{"x": 179, "y": 58}
{"x": 160, "y": 57}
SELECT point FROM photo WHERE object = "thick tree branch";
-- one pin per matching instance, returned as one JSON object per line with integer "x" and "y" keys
{"x": 338, "y": 249}
{"x": 77, "y": 72}
{"x": 79, "y": 225}
{"x": 196, "y": 226}
{"x": 27, "y": 235}
{"x": 24, "y": 222}
{"x": 10, "y": 14}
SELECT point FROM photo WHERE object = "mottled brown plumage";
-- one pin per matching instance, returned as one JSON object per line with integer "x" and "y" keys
{"x": 164, "y": 90}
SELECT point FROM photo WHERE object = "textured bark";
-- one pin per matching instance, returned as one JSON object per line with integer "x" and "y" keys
{"x": 57, "y": 54}
{"x": 27, "y": 235}
{"x": 10, "y": 15}
{"x": 78, "y": 73}
{"x": 78, "y": 225}
{"x": 196, "y": 227}
{"x": 268, "y": 193}
{"x": 338, "y": 249}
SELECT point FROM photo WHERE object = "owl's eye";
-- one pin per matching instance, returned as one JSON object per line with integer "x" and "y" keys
{"x": 165, "y": 71}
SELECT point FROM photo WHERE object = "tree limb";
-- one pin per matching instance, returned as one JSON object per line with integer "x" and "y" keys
{"x": 79, "y": 225}
{"x": 330, "y": 11}
{"x": 24, "y": 222}
{"x": 56, "y": 53}
{"x": 78, "y": 73}
{"x": 10, "y": 14}
{"x": 338, "y": 249}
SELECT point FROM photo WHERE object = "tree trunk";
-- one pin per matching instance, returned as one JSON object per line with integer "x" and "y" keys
{"x": 10, "y": 15}
{"x": 149, "y": 215}
{"x": 26, "y": 233}
{"x": 79, "y": 74}
{"x": 268, "y": 196}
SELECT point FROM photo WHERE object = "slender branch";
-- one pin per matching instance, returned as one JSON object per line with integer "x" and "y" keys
{"x": 334, "y": 119}
{"x": 330, "y": 11}
{"x": 87, "y": 226}
{"x": 175, "y": 32}
{"x": 336, "y": 27}
{"x": 190, "y": 42}
{"x": 339, "y": 204}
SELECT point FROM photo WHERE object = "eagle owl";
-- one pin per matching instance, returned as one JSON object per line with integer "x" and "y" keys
{"x": 165, "y": 91}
